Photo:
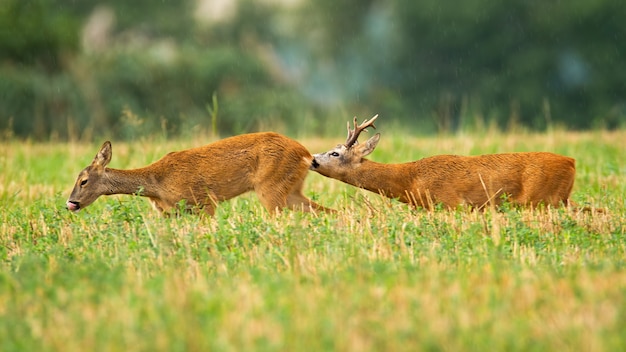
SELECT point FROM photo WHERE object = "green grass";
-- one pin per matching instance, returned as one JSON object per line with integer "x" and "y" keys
{"x": 376, "y": 276}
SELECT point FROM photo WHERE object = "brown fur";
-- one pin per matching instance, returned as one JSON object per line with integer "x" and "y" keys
{"x": 270, "y": 164}
{"x": 527, "y": 179}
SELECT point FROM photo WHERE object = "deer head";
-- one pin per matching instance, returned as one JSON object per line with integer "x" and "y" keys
{"x": 347, "y": 156}
{"x": 89, "y": 185}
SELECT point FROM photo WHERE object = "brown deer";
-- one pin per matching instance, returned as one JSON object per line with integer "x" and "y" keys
{"x": 527, "y": 179}
{"x": 272, "y": 165}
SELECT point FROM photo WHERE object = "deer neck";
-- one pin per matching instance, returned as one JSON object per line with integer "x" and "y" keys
{"x": 390, "y": 180}
{"x": 142, "y": 181}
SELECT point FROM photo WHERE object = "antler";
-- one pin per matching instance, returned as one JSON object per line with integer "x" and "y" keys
{"x": 353, "y": 135}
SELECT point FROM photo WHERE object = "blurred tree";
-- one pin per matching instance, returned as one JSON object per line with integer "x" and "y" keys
{"x": 436, "y": 64}
{"x": 512, "y": 57}
{"x": 35, "y": 32}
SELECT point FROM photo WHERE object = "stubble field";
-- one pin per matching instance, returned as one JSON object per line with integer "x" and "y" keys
{"x": 376, "y": 276}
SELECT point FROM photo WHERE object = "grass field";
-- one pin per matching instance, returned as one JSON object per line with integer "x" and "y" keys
{"x": 377, "y": 276}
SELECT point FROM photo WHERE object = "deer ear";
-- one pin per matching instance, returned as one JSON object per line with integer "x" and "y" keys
{"x": 104, "y": 155}
{"x": 368, "y": 147}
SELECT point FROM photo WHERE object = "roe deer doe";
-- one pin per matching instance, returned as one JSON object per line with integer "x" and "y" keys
{"x": 272, "y": 165}
{"x": 527, "y": 179}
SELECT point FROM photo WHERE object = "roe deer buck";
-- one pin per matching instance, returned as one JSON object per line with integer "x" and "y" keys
{"x": 272, "y": 165}
{"x": 527, "y": 179}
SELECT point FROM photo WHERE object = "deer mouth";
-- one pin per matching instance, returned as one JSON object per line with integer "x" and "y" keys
{"x": 314, "y": 164}
{"x": 72, "y": 206}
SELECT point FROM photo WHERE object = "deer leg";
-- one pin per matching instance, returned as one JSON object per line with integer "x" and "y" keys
{"x": 155, "y": 205}
{"x": 208, "y": 209}
{"x": 271, "y": 196}
{"x": 297, "y": 201}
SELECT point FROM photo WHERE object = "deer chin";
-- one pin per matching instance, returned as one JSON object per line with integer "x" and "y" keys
{"x": 72, "y": 206}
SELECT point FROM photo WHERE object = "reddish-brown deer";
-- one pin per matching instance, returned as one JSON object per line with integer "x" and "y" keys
{"x": 527, "y": 179}
{"x": 272, "y": 165}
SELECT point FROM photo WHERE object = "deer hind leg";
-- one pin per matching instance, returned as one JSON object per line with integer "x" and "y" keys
{"x": 297, "y": 201}
{"x": 277, "y": 197}
{"x": 272, "y": 196}
{"x": 277, "y": 193}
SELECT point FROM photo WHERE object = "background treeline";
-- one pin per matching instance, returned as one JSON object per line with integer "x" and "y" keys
{"x": 78, "y": 69}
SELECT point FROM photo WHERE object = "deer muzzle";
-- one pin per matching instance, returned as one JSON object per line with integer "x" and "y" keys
{"x": 314, "y": 164}
{"x": 72, "y": 206}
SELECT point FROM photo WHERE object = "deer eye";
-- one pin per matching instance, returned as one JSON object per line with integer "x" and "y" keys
{"x": 334, "y": 154}
{"x": 83, "y": 182}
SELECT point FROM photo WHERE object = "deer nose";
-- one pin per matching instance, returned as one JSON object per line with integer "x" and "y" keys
{"x": 73, "y": 206}
{"x": 314, "y": 164}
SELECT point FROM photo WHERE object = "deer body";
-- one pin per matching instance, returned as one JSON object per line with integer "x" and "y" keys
{"x": 270, "y": 164}
{"x": 530, "y": 178}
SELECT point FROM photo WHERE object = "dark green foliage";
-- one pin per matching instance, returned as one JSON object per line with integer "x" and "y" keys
{"x": 529, "y": 60}
{"x": 35, "y": 33}
{"x": 427, "y": 64}
{"x": 133, "y": 94}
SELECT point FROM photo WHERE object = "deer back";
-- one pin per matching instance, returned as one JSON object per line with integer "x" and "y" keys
{"x": 525, "y": 178}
